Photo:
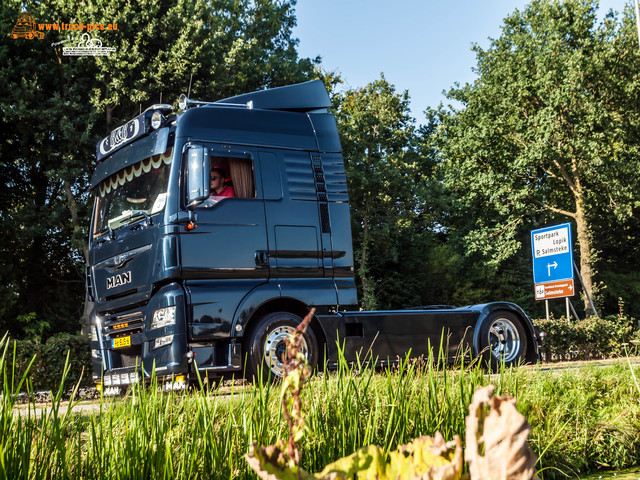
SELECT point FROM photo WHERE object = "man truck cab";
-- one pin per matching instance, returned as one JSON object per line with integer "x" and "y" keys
{"x": 179, "y": 280}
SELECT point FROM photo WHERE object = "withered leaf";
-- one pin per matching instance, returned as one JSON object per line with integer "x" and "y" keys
{"x": 272, "y": 463}
{"x": 496, "y": 440}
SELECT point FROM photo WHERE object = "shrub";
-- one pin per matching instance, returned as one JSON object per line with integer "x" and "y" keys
{"x": 50, "y": 357}
{"x": 586, "y": 339}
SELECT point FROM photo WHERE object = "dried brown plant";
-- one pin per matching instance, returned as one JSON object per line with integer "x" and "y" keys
{"x": 496, "y": 443}
{"x": 296, "y": 372}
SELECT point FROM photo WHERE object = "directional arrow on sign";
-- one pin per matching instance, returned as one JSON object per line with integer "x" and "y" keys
{"x": 554, "y": 265}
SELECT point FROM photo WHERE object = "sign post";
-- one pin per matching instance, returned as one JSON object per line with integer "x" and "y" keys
{"x": 553, "y": 263}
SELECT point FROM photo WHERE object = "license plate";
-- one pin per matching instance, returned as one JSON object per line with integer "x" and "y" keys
{"x": 121, "y": 342}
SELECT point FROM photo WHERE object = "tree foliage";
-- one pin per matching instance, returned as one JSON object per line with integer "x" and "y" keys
{"x": 210, "y": 49}
{"x": 55, "y": 108}
{"x": 548, "y": 132}
{"x": 440, "y": 213}
{"x": 388, "y": 174}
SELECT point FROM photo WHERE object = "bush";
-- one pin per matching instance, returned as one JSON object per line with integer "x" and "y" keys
{"x": 50, "y": 358}
{"x": 590, "y": 338}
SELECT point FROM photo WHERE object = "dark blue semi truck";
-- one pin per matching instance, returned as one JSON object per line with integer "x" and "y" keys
{"x": 179, "y": 280}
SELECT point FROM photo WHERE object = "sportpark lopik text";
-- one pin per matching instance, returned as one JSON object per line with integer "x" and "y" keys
{"x": 80, "y": 27}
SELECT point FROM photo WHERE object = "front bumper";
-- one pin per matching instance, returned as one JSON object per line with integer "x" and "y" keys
{"x": 126, "y": 350}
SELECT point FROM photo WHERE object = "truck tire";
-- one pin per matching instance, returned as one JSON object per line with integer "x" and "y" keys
{"x": 264, "y": 346}
{"x": 502, "y": 339}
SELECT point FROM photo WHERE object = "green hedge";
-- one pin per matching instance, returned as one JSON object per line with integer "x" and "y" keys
{"x": 591, "y": 338}
{"x": 49, "y": 362}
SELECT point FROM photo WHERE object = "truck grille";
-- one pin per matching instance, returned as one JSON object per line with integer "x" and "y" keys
{"x": 129, "y": 327}
{"x": 124, "y": 324}
{"x": 321, "y": 190}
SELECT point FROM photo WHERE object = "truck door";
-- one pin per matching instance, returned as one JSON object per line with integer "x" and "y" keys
{"x": 225, "y": 256}
{"x": 294, "y": 230}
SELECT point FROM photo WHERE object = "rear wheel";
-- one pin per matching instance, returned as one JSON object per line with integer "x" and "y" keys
{"x": 503, "y": 339}
{"x": 265, "y": 348}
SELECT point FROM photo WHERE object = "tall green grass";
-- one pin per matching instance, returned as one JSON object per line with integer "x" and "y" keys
{"x": 580, "y": 420}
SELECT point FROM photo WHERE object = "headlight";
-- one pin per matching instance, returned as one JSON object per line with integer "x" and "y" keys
{"x": 162, "y": 341}
{"x": 156, "y": 119}
{"x": 163, "y": 317}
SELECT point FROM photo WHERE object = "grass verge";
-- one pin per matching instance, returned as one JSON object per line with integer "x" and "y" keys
{"x": 582, "y": 420}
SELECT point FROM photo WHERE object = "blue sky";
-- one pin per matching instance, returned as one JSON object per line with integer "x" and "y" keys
{"x": 423, "y": 46}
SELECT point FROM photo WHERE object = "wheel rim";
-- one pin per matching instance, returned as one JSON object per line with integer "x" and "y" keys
{"x": 504, "y": 340}
{"x": 275, "y": 348}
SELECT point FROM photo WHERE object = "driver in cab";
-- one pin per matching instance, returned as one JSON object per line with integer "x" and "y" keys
{"x": 218, "y": 187}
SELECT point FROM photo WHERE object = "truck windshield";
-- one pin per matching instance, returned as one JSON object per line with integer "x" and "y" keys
{"x": 134, "y": 193}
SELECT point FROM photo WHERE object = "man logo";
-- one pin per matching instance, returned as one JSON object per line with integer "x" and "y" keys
{"x": 118, "y": 280}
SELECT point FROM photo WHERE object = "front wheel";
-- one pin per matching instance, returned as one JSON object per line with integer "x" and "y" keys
{"x": 502, "y": 339}
{"x": 265, "y": 348}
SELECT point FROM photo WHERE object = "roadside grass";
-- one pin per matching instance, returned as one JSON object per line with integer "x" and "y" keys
{"x": 581, "y": 420}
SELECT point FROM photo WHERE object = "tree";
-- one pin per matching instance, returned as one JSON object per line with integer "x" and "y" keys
{"x": 212, "y": 49}
{"x": 56, "y": 107}
{"x": 387, "y": 187}
{"x": 548, "y": 131}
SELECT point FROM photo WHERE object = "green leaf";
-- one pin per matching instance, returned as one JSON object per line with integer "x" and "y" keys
{"x": 368, "y": 463}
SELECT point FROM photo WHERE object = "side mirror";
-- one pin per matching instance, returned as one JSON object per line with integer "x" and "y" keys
{"x": 198, "y": 172}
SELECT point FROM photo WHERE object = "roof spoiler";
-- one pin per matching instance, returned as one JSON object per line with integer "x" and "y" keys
{"x": 300, "y": 97}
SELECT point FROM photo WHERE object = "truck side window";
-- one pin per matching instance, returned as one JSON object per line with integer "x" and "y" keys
{"x": 237, "y": 179}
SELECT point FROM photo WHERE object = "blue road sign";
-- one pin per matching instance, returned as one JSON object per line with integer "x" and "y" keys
{"x": 552, "y": 253}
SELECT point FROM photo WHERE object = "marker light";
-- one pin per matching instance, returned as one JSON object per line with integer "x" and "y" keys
{"x": 156, "y": 119}
{"x": 182, "y": 102}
